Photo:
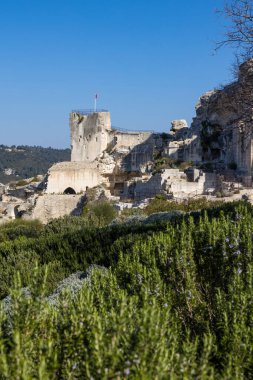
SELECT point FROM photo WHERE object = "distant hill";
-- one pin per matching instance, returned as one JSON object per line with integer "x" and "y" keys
{"x": 22, "y": 161}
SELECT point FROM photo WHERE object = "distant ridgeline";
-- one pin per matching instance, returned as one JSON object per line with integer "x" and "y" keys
{"x": 22, "y": 161}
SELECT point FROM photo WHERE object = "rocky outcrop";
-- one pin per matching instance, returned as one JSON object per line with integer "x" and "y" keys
{"x": 224, "y": 121}
{"x": 178, "y": 125}
{"x": 230, "y": 104}
{"x": 106, "y": 163}
{"x": 184, "y": 142}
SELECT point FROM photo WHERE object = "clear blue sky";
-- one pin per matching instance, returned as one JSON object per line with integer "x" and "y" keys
{"x": 149, "y": 61}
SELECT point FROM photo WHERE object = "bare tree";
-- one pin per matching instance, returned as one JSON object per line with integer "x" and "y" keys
{"x": 239, "y": 30}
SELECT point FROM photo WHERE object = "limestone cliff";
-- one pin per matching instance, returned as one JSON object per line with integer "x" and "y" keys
{"x": 224, "y": 121}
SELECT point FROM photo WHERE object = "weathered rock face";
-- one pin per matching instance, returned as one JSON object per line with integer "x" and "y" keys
{"x": 184, "y": 142}
{"x": 224, "y": 121}
{"x": 177, "y": 125}
{"x": 106, "y": 164}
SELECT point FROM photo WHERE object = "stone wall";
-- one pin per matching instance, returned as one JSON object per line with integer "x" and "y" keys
{"x": 51, "y": 206}
{"x": 78, "y": 176}
{"x": 205, "y": 182}
{"x": 183, "y": 150}
{"x": 131, "y": 139}
{"x": 135, "y": 150}
{"x": 170, "y": 181}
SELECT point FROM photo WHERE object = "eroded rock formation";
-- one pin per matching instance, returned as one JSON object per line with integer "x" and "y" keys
{"x": 224, "y": 123}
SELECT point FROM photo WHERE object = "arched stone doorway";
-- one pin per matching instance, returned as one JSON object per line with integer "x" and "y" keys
{"x": 69, "y": 190}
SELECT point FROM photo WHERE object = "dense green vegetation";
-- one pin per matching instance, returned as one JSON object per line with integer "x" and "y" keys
{"x": 174, "y": 303}
{"x": 28, "y": 161}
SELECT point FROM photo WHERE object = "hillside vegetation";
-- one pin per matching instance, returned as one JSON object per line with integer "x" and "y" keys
{"x": 28, "y": 161}
{"x": 168, "y": 300}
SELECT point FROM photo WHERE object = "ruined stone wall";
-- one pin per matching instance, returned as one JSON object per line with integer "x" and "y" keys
{"x": 137, "y": 149}
{"x": 74, "y": 175}
{"x": 170, "y": 181}
{"x": 183, "y": 150}
{"x": 90, "y": 135}
{"x": 205, "y": 182}
{"x": 131, "y": 139}
{"x": 51, "y": 206}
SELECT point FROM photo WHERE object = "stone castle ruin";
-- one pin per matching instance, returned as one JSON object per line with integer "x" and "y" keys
{"x": 100, "y": 154}
{"x": 125, "y": 162}
{"x": 132, "y": 166}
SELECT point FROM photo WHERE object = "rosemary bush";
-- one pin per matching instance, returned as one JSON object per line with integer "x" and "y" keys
{"x": 175, "y": 301}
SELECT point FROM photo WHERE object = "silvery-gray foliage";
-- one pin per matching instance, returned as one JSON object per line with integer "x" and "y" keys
{"x": 7, "y": 301}
{"x": 133, "y": 219}
{"x": 71, "y": 284}
{"x": 74, "y": 283}
{"x": 163, "y": 216}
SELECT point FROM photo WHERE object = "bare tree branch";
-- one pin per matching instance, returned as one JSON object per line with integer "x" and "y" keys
{"x": 239, "y": 31}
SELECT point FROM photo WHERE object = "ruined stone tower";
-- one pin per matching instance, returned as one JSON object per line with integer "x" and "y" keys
{"x": 89, "y": 134}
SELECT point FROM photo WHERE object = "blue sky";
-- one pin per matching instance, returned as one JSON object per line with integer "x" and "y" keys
{"x": 149, "y": 61}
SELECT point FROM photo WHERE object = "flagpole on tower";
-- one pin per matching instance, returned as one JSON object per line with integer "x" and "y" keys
{"x": 95, "y": 103}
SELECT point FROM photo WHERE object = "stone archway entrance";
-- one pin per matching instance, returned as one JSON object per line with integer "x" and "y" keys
{"x": 69, "y": 190}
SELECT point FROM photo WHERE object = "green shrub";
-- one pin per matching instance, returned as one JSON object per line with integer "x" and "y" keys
{"x": 175, "y": 301}
{"x": 20, "y": 228}
{"x": 160, "y": 204}
{"x": 185, "y": 165}
{"x": 99, "y": 213}
{"x": 126, "y": 212}
{"x": 164, "y": 162}
{"x": 22, "y": 182}
{"x": 35, "y": 179}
